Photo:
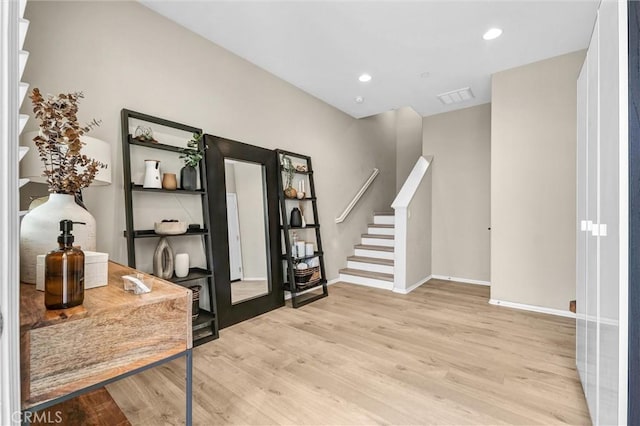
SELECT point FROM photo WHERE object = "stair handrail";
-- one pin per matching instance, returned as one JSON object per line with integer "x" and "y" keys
{"x": 357, "y": 197}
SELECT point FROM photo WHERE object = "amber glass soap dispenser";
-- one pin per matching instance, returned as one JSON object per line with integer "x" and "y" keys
{"x": 64, "y": 272}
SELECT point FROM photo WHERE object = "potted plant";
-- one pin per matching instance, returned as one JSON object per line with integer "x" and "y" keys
{"x": 67, "y": 171}
{"x": 192, "y": 155}
{"x": 287, "y": 166}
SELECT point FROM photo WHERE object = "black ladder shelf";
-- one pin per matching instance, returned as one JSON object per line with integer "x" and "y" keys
{"x": 205, "y": 326}
{"x": 300, "y": 291}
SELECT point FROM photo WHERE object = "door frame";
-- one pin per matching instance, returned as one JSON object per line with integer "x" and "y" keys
{"x": 218, "y": 149}
{"x": 9, "y": 206}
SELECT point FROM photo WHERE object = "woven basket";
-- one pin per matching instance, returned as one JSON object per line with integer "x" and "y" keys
{"x": 305, "y": 276}
{"x": 195, "y": 306}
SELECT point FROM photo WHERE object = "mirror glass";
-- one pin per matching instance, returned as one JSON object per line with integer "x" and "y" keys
{"x": 247, "y": 227}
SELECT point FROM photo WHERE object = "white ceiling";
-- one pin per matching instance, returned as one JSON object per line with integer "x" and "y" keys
{"x": 323, "y": 46}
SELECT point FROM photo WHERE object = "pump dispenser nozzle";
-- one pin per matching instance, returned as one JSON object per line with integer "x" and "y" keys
{"x": 66, "y": 226}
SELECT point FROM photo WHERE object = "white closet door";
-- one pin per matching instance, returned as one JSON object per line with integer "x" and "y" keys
{"x": 608, "y": 215}
{"x": 581, "y": 234}
{"x": 592, "y": 216}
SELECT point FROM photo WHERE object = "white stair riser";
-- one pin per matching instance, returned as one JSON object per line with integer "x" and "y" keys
{"x": 374, "y": 253}
{"x": 381, "y": 231}
{"x": 371, "y": 267}
{"x": 369, "y": 282}
{"x": 383, "y": 220}
{"x": 377, "y": 242}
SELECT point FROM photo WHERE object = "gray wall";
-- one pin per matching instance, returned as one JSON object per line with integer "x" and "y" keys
{"x": 123, "y": 55}
{"x": 460, "y": 142}
{"x": 533, "y": 176}
{"x": 408, "y": 143}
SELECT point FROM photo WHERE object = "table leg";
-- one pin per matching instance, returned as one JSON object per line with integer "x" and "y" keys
{"x": 189, "y": 387}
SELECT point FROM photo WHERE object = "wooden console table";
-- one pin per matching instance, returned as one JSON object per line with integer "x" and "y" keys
{"x": 114, "y": 334}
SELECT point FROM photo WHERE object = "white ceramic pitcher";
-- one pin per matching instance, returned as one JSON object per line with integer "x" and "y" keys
{"x": 152, "y": 174}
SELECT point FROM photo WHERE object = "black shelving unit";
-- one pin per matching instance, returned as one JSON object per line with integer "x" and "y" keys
{"x": 298, "y": 299}
{"x": 205, "y": 327}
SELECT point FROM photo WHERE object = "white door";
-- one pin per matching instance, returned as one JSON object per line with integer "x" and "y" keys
{"x": 233, "y": 227}
{"x": 591, "y": 311}
{"x": 581, "y": 234}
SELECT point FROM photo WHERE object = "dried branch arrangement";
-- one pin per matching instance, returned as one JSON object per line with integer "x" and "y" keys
{"x": 67, "y": 170}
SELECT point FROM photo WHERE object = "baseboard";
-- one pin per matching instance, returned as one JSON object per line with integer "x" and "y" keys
{"x": 532, "y": 308}
{"x": 461, "y": 280}
{"x": 252, "y": 279}
{"x": 287, "y": 294}
{"x": 413, "y": 287}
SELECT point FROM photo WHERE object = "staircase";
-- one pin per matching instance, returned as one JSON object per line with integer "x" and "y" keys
{"x": 372, "y": 263}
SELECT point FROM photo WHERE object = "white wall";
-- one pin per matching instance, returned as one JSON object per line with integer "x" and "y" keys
{"x": 533, "y": 182}
{"x": 408, "y": 142}
{"x": 460, "y": 142}
{"x": 123, "y": 55}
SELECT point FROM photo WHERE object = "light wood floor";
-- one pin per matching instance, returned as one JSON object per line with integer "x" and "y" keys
{"x": 248, "y": 289}
{"x": 439, "y": 355}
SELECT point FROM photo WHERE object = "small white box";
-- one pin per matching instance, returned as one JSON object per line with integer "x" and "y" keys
{"x": 95, "y": 270}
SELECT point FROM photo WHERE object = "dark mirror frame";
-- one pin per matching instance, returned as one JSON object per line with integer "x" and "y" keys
{"x": 218, "y": 149}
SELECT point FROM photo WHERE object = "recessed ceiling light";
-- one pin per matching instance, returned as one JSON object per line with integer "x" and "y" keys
{"x": 364, "y": 78}
{"x": 492, "y": 33}
{"x": 359, "y": 99}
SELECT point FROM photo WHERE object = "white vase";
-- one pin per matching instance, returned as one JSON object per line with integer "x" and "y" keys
{"x": 182, "y": 265}
{"x": 40, "y": 228}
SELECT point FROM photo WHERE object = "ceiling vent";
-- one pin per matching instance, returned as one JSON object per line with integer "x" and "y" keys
{"x": 456, "y": 96}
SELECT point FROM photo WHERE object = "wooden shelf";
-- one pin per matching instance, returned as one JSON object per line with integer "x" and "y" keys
{"x": 310, "y": 226}
{"x": 297, "y": 172}
{"x": 205, "y": 328}
{"x": 291, "y": 261}
{"x": 315, "y": 254}
{"x": 150, "y": 233}
{"x": 161, "y": 146}
{"x": 167, "y": 191}
{"x": 194, "y": 274}
{"x": 308, "y": 286}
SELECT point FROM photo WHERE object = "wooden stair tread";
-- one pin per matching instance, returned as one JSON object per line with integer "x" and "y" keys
{"x": 379, "y": 236}
{"x": 367, "y": 274}
{"x": 376, "y": 248}
{"x": 380, "y": 225}
{"x": 374, "y": 260}
{"x": 384, "y": 213}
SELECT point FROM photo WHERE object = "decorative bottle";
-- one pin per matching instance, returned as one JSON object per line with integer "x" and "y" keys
{"x": 64, "y": 272}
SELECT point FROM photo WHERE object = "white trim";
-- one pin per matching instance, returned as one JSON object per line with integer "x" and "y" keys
{"x": 287, "y": 294}
{"x": 461, "y": 280}
{"x": 413, "y": 287}
{"x": 253, "y": 279}
{"x": 410, "y": 186}
{"x": 623, "y": 231}
{"x": 357, "y": 197}
{"x": 532, "y": 308}
{"x": 9, "y": 206}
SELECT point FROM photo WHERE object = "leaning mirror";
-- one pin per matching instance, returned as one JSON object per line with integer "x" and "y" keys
{"x": 247, "y": 229}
